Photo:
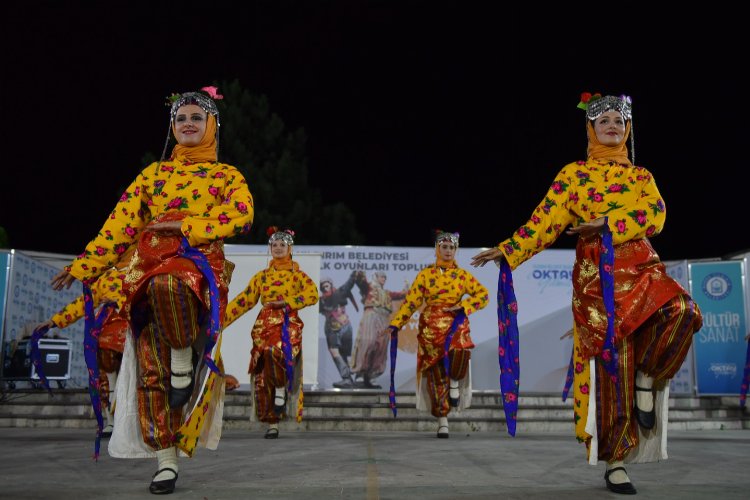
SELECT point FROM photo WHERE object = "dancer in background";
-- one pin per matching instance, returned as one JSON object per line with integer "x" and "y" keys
{"x": 276, "y": 357}
{"x": 450, "y": 294}
{"x": 107, "y": 289}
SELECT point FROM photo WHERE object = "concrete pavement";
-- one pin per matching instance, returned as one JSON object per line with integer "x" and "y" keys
{"x": 42, "y": 463}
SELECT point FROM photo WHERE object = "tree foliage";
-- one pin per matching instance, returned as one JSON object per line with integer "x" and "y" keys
{"x": 274, "y": 163}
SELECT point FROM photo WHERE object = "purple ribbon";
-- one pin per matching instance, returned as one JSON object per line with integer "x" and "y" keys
{"x": 286, "y": 348}
{"x": 394, "y": 351}
{"x": 91, "y": 331}
{"x": 609, "y": 356}
{"x": 507, "y": 350}
{"x": 457, "y": 321}
{"x": 568, "y": 377}
{"x": 745, "y": 378}
{"x": 36, "y": 355}
{"x": 201, "y": 262}
{"x": 606, "y": 275}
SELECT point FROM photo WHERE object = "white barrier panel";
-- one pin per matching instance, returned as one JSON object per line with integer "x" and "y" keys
{"x": 236, "y": 343}
{"x": 30, "y": 300}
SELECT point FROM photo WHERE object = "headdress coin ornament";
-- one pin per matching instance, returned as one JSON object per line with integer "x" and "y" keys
{"x": 286, "y": 235}
{"x": 595, "y": 105}
{"x": 441, "y": 235}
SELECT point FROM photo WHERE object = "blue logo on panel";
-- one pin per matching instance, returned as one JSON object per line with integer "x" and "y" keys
{"x": 716, "y": 286}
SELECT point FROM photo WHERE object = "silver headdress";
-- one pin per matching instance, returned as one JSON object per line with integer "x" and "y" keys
{"x": 287, "y": 235}
{"x": 205, "y": 102}
{"x": 446, "y": 236}
{"x": 596, "y": 106}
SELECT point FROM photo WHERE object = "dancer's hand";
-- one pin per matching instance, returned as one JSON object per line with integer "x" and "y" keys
{"x": 231, "y": 382}
{"x": 567, "y": 334}
{"x": 480, "y": 259}
{"x": 168, "y": 226}
{"x": 63, "y": 279}
{"x": 587, "y": 228}
{"x": 453, "y": 308}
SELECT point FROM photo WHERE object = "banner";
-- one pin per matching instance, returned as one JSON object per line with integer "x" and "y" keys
{"x": 543, "y": 288}
{"x": 683, "y": 381}
{"x": 720, "y": 345}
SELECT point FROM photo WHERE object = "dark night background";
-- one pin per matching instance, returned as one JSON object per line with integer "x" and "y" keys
{"x": 419, "y": 115}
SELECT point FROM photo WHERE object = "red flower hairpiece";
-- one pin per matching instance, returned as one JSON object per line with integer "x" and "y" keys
{"x": 587, "y": 97}
{"x": 213, "y": 92}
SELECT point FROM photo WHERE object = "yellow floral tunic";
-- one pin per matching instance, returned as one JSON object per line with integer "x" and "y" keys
{"x": 108, "y": 288}
{"x": 215, "y": 195}
{"x": 582, "y": 192}
{"x": 269, "y": 285}
{"x": 296, "y": 288}
{"x": 437, "y": 286}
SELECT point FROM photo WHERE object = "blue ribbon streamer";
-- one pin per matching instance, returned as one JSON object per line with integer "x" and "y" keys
{"x": 457, "y": 321}
{"x": 201, "y": 262}
{"x": 286, "y": 347}
{"x": 92, "y": 328}
{"x": 568, "y": 377}
{"x": 606, "y": 275}
{"x": 394, "y": 351}
{"x": 36, "y": 355}
{"x": 745, "y": 378}
{"x": 507, "y": 322}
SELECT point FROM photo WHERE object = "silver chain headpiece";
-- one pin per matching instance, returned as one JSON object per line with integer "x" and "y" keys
{"x": 597, "y": 107}
{"x": 446, "y": 236}
{"x": 286, "y": 236}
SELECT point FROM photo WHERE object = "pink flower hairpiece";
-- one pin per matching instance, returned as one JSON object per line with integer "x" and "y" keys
{"x": 213, "y": 92}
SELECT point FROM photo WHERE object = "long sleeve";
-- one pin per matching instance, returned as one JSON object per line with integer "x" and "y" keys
{"x": 108, "y": 288}
{"x": 477, "y": 294}
{"x": 548, "y": 220}
{"x": 414, "y": 299}
{"x": 644, "y": 215}
{"x": 244, "y": 301}
{"x": 304, "y": 291}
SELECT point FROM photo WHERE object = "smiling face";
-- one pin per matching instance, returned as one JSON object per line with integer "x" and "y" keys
{"x": 610, "y": 128}
{"x": 189, "y": 125}
{"x": 446, "y": 250}
{"x": 279, "y": 249}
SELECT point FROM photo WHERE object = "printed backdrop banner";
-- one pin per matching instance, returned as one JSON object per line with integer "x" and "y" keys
{"x": 719, "y": 346}
{"x": 543, "y": 289}
{"x": 684, "y": 381}
{"x": 30, "y": 300}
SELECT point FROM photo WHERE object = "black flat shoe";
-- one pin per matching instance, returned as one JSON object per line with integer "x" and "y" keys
{"x": 442, "y": 432}
{"x": 179, "y": 397}
{"x": 621, "y": 488}
{"x": 453, "y": 402}
{"x": 271, "y": 433}
{"x": 107, "y": 431}
{"x": 165, "y": 486}
{"x": 279, "y": 409}
{"x": 646, "y": 419}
